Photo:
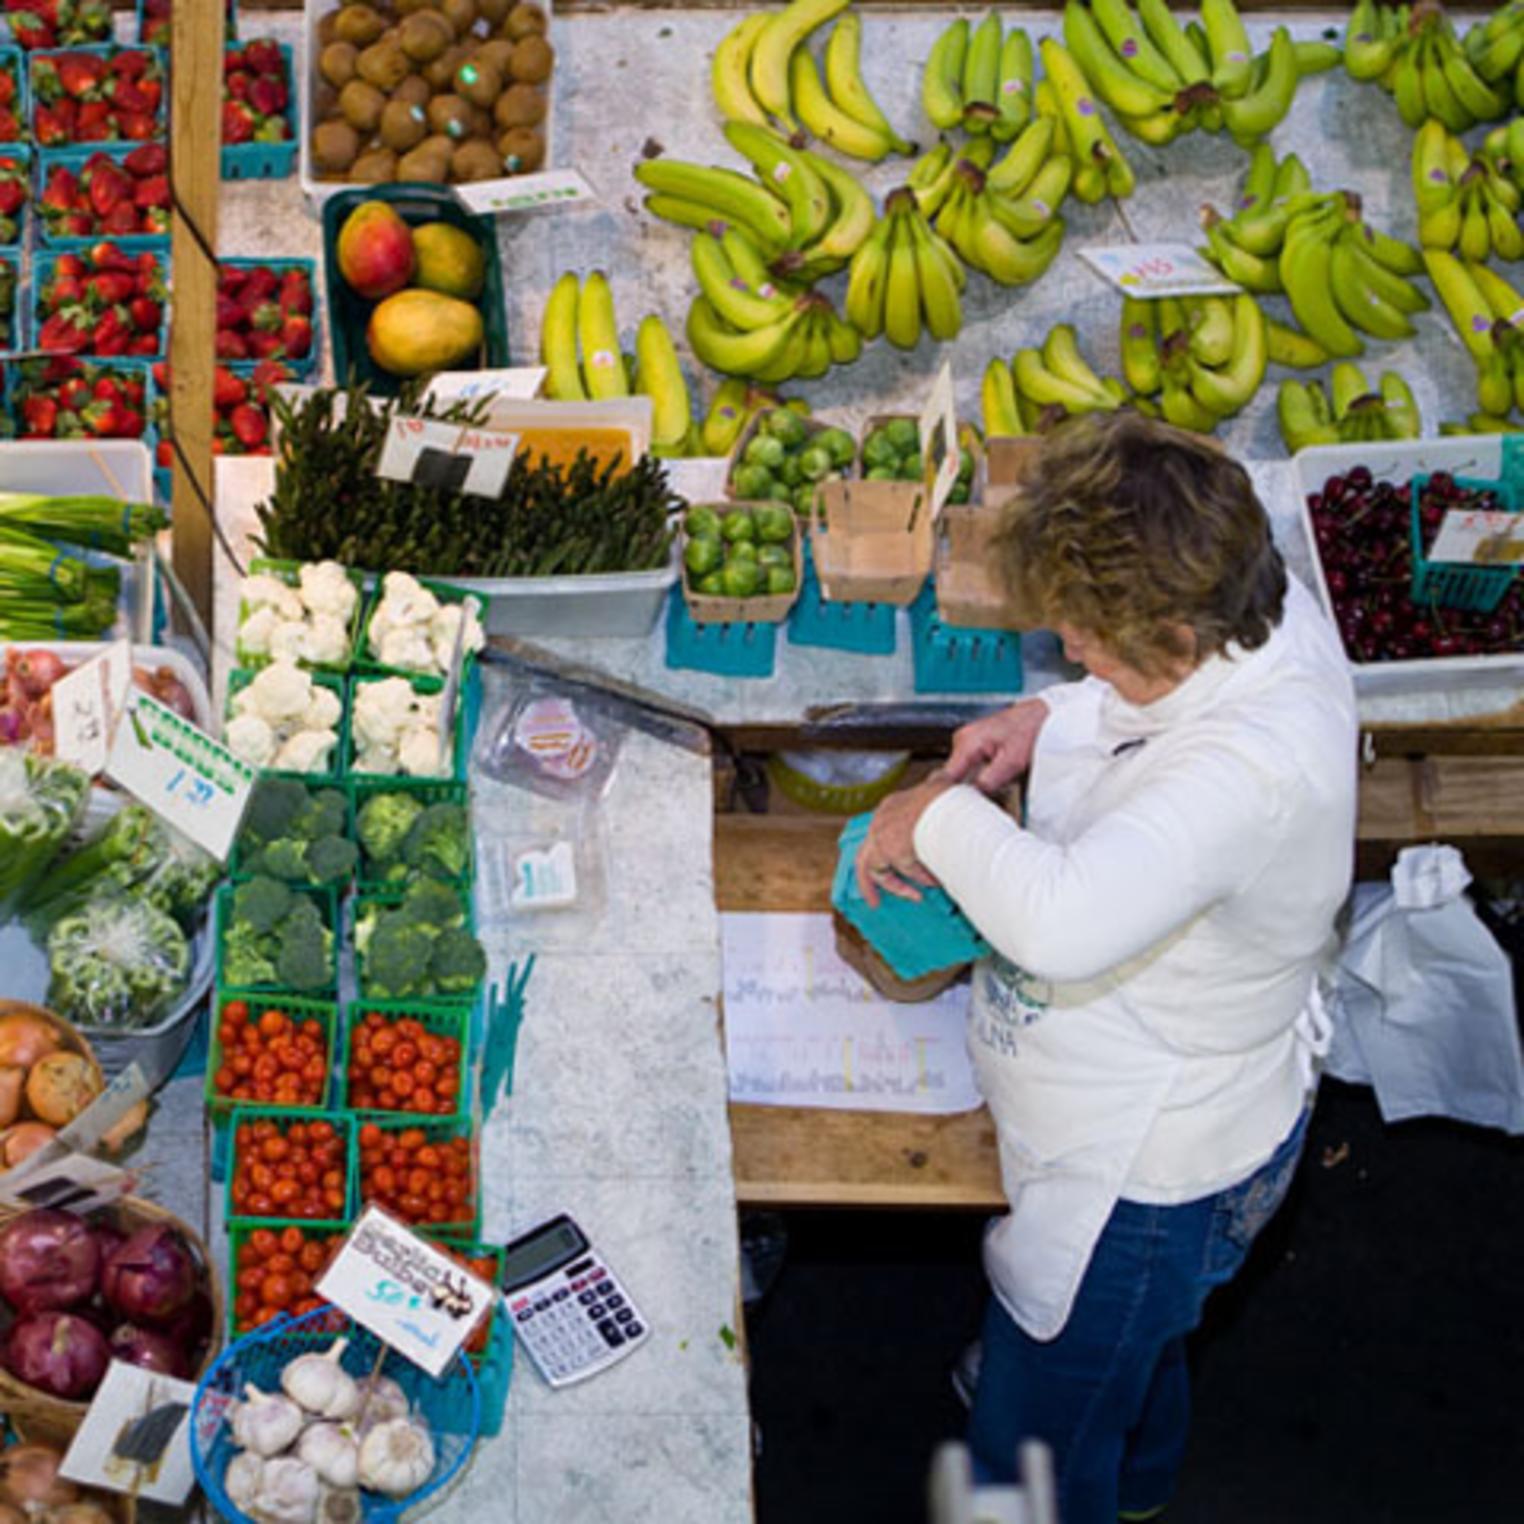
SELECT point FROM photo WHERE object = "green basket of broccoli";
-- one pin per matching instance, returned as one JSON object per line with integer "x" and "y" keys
{"x": 451, "y": 1023}
{"x": 419, "y": 944}
{"x": 223, "y": 1080}
{"x": 274, "y": 936}
{"x": 413, "y": 829}
{"x": 296, "y": 832}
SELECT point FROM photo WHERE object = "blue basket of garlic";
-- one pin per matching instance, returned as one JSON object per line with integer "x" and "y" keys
{"x": 313, "y": 1420}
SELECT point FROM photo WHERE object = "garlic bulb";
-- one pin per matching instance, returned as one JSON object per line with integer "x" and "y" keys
{"x": 265, "y": 1422}
{"x": 396, "y": 1457}
{"x": 321, "y": 1385}
{"x": 241, "y": 1479}
{"x": 381, "y": 1399}
{"x": 340, "y": 1505}
{"x": 332, "y": 1452}
{"x": 288, "y": 1493}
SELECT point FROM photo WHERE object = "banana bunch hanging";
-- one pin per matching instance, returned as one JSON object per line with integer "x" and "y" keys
{"x": 1495, "y": 49}
{"x": 1163, "y": 78}
{"x": 1487, "y": 313}
{"x": 1040, "y": 387}
{"x": 980, "y": 79}
{"x": 1414, "y": 53}
{"x": 1202, "y": 357}
{"x": 1464, "y": 203}
{"x": 905, "y": 278}
{"x": 1349, "y": 412}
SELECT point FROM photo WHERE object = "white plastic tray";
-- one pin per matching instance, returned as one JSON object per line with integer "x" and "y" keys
{"x": 1461, "y": 455}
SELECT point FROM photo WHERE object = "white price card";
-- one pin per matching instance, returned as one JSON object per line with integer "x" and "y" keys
{"x": 87, "y": 703}
{"x": 447, "y": 457}
{"x": 412, "y": 1297}
{"x": 526, "y": 193}
{"x": 1480, "y": 538}
{"x": 185, "y": 777}
{"x": 135, "y": 1436}
{"x": 939, "y": 439}
{"x": 516, "y": 383}
{"x": 64, "y": 1181}
{"x": 1158, "y": 269}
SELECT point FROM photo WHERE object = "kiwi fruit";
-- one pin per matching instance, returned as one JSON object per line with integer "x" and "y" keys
{"x": 327, "y": 29}
{"x": 497, "y": 51}
{"x": 479, "y": 123}
{"x": 533, "y": 59}
{"x": 325, "y": 101}
{"x": 424, "y": 35}
{"x": 336, "y": 63}
{"x": 523, "y": 150}
{"x": 461, "y": 14}
{"x": 361, "y": 104}
{"x": 414, "y": 91}
{"x": 478, "y": 82}
{"x": 519, "y": 106}
{"x": 407, "y": 7}
{"x": 384, "y": 65}
{"x": 375, "y": 166}
{"x": 403, "y": 125}
{"x": 525, "y": 20}
{"x": 359, "y": 24}
{"x": 450, "y": 115}
{"x": 425, "y": 163}
{"x": 475, "y": 160}
{"x": 494, "y": 12}
{"x": 334, "y": 146}
{"x": 441, "y": 71}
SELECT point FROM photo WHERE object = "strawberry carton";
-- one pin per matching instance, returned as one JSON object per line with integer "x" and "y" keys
{"x": 98, "y": 95}
{"x": 12, "y": 96}
{"x": 258, "y": 132}
{"x": 65, "y": 398}
{"x": 240, "y": 414}
{"x": 14, "y": 180}
{"x": 57, "y": 23}
{"x": 265, "y": 311}
{"x": 101, "y": 301}
{"x": 122, "y": 193}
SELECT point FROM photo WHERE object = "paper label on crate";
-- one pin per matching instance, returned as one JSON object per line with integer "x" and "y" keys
{"x": 939, "y": 439}
{"x": 135, "y": 1436}
{"x": 447, "y": 457}
{"x": 109, "y": 1107}
{"x": 515, "y": 383}
{"x": 87, "y": 704}
{"x": 405, "y": 1291}
{"x": 525, "y": 193}
{"x": 1157, "y": 269}
{"x": 57, "y": 1177}
{"x": 1479, "y": 538}
{"x": 185, "y": 777}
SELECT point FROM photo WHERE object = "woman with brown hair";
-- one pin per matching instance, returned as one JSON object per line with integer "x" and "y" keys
{"x": 1146, "y": 1029}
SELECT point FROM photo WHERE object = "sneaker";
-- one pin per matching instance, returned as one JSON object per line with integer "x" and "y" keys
{"x": 965, "y": 1374}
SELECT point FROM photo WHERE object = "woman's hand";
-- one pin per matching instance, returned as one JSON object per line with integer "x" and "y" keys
{"x": 886, "y": 860}
{"x": 994, "y": 751}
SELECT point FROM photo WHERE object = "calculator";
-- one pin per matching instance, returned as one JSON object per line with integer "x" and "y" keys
{"x": 568, "y": 1309}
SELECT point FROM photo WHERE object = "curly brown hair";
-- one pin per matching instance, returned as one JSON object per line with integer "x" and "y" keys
{"x": 1128, "y": 528}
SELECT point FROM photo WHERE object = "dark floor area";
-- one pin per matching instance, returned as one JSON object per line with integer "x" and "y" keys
{"x": 1366, "y": 1368}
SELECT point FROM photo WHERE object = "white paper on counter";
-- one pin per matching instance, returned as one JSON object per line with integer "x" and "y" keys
{"x": 802, "y": 1028}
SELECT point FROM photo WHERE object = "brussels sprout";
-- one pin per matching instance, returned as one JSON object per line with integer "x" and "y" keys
{"x": 711, "y": 586}
{"x": 803, "y": 499}
{"x": 959, "y": 493}
{"x": 912, "y": 468}
{"x": 878, "y": 450}
{"x": 815, "y": 464}
{"x": 738, "y": 525}
{"x": 965, "y": 464}
{"x": 780, "y": 579}
{"x": 774, "y": 555}
{"x": 882, "y": 474}
{"x": 702, "y": 521}
{"x": 703, "y": 554}
{"x": 754, "y": 482}
{"x": 764, "y": 450}
{"x": 741, "y": 578}
{"x": 774, "y": 522}
{"x": 840, "y": 444}
{"x": 904, "y": 434}
{"x": 792, "y": 473}
{"x": 787, "y": 427}
{"x": 740, "y": 550}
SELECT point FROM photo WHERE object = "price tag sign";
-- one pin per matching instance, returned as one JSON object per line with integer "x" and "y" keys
{"x": 405, "y": 1291}
{"x": 516, "y": 383}
{"x": 185, "y": 777}
{"x": 1158, "y": 269}
{"x": 66, "y": 1181}
{"x": 135, "y": 1436}
{"x": 446, "y": 457}
{"x": 526, "y": 193}
{"x": 87, "y": 704}
{"x": 1479, "y": 538}
{"x": 939, "y": 439}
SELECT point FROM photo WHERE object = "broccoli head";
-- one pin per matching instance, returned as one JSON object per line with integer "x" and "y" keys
{"x": 245, "y": 957}
{"x": 261, "y": 903}
{"x": 396, "y": 956}
{"x": 305, "y": 959}
{"x": 284, "y": 858}
{"x": 384, "y": 822}
{"x": 439, "y": 843}
{"x": 433, "y": 905}
{"x": 458, "y": 964}
{"x": 273, "y": 806}
{"x": 325, "y": 815}
{"x": 331, "y": 859}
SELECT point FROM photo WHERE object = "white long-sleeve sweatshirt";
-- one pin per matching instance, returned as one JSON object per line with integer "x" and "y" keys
{"x": 1158, "y": 923}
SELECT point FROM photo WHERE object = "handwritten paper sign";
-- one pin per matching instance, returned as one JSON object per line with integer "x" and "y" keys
{"x": 180, "y": 773}
{"x": 446, "y": 457}
{"x": 135, "y": 1438}
{"x": 407, "y": 1293}
{"x": 1479, "y": 538}
{"x": 515, "y": 383}
{"x": 939, "y": 439}
{"x": 1157, "y": 269}
{"x": 87, "y": 703}
{"x": 553, "y": 188}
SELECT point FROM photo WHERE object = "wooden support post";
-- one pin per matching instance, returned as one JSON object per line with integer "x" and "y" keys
{"x": 195, "y": 169}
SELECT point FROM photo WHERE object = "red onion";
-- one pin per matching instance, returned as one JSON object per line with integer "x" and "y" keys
{"x": 167, "y": 688}
{"x": 153, "y": 1351}
{"x": 57, "y": 1353}
{"x": 108, "y": 1239}
{"x": 13, "y": 726}
{"x": 151, "y": 1276}
{"x": 48, "y": 1260}
{"x": 37, "y": 671}
{"x": 191, "y": 1327}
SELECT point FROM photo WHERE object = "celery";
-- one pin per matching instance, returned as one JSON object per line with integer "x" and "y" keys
{"x": 96, "y": 523}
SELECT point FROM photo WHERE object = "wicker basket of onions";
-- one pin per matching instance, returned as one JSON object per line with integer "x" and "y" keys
{"x": 32, "y": 1492}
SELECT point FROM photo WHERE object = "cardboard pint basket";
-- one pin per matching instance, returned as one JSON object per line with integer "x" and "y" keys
{"x": 970, "y": 591}
{"x": 968, "y": 438}
{"x": 873, "y": 542}
{"x": 759, "y": 608}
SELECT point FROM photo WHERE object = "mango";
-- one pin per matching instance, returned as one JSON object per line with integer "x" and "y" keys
{"x": 449, "y": 260}
{"x": 415, "y": 333}
{"x": 375, "y": 250}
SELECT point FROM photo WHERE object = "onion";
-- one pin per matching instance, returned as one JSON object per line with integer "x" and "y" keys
{"x": 60, "y": 1086}
{"x": 151, "y": 1276}
{"x": 191, "y": 1327}
{"x": 171, "y": 692}
{"x": 12, "y": 1079}
{"x": 142, "y": 1346}
{"x": 57, "y": 1353}
{"x": 48, "y": 1260}
{"x": 29, "y": 1477}
{"x": 13, "y": 726}
{"x": 22, "y": 1141}
{"x": 26, "y": 1036}
{"x": 37, "y": 671}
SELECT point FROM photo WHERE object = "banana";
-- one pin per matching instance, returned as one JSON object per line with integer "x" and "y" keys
{"x": 1297, "y": 351}
{"x": 1248, "y": 270}
{"x": 1169, "y": 37}
{"x": 730, "y": 71}
{"x": 1407, "y": 84}
{"x": 792, "y": 355}
{"x": 1228, "y": 390}
{"x": 1017, "y": 167}
{"x": 1305, "y": 266}
{"x": 783, "y": 169}
{"x": 902, "y": 293}
{"x": 1393, "y": 289}
{"x": 852, "y": 219}
{"x": 826, "y": 120}
{"x": 785, "y": 31}
{"x": 1132, "y": 45}
{"x": 1475, "y": 240}
{"x": 1503, "y": 232}
{"x": 1259, "y": 185}
{"x": 1007, "y": 259}
{"x": 1182, "y": 409}
{"x": 997, "y": 395}
{"x": 1346, "y": 385}
{"x": 558, "y": 342}
{"x": 1302, "y": 412}
{"x": 1013, "y": 90}
{"x": 1502, "y": 300}
{"x": 1314, "y": 57}
{"x": 1211, "y": 321}
{"x": 939, "y": 291}
{"x": 1039, "y": 385}
{"x": 866, "y": 282}
{"x": 816, "y": 359}
{"x": 725, "y": 194}
{"x": 1232, "y": 59}
{"x": 1366, "y": 308}
{"x": 1253, "y": 115}
{"x": 751, "y": 267}
{"x": 727, "y": 292}
{"x": 1472, "y": 93}
{"x": 1291, "y": 177}
{"x": 1140, "y": 347}
{"x": 1433, "y": 185}
{"x": 1110, "y": 77}
{"x": 1401, "y": 407}
{"x": 1061, "y": 357}
{"x": 726, "y": 417}
{"x": 1094, "y": 146}
{"x": 603, "y": 373}
{"x": 1158, "y": 129}
{"x": 1439, "y": 99}
{"x": 1367, "y": 53}
{"x": 659, "y": 377}
{"x": 1468, "y": 309}
{"x": 942, "y": 78}
{"x": 981, "y": 74}
{"x": 843, "y": 340}
{"x": 1398, "y": 257}
{"x": 1027, "y": 216}
{"x": 844, "y": 80}
{"x": 732, "y": 353}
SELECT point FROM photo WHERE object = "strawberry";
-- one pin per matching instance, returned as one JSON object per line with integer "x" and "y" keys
{"x": 110, "y": 335}
{"x": 145, "y": 314}
{"x": 10, "y": 126}
{"x": 156, "y": 219}
{"x": 268, "y": 373}
{"x": 228, "y": 390}
{"x": 75, "y": 393}
{"x": 164, "y": 454}
{"x": 230, "y": 346}
{"x": 109, "y": 287}
{"x": 107, "y": 186}
{"x": 61, "y": 193}
{"x": 296, "y": 294}
{"x": 145, "y": 344}
{"x": 107, "y": 388}
{"x": 39, "y": 416}
{"x": 296, "y": 337}
{"x": 28, "y": 31}
{"x": 265, "y": 318}
{"x": 103, "y": 419}
{"x": 154, "y": 191}
{"x": 62, "y": 291}
{"x": 106, "y": 255}
{"x": 46, "y": 85}
{"x": 12, "y": 196}
{"x": 235, "y": 86}
{"x": 70, "y": 264}
{"x": 94, "y": 123}
{"x": 130, "y": 63}
{"x": 237, "y": 122}
{"x": 121, "y": 220}
{"x": 249, "y": 425}
{"x": 268, "y": 95}
{"x": 149, "y": 159}
{"x": 132, "y": 391}
{"x": 63, "y": 333}
{"x": 260, "y": 284}
{"x": 128, "y": 95}
{"x": 81, "y": 75}
{"x": 7, "y": 86}
{"x": 77, "y": 225}
{"x": 135, "y": 126}
{"x": 262, "y": 345}
{"x": 52, "y": 125}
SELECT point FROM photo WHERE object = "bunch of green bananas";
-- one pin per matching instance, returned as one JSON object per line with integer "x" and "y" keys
{"x": 734, "y": 404}
{"x": 1100, "y": 167}
{"x": 1000, "y": 218}
{"x": 1244, "y": 246}
{"x": 1414, "y": 52}
{"x": 1463, "y": 203}
{"x": 579, "y": 347}
{"x": 1040, "y": 387}
{"x": 904, "y": 278}
{"x": 1202, "y": 357}
{"x": 1503, "y": 148}
{"x": 980, "y": 79}
{"x": 801, "y": 209}
{"x": 1163, "y": 78}
{"x": 1495, "y": 48}
{"x": 763, "y": 68}
{"x": 1489, "y": 317}
{"x": 1350, "y": 412}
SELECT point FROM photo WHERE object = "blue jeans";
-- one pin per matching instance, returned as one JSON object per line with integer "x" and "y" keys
{"x": 1111, "y": 1394}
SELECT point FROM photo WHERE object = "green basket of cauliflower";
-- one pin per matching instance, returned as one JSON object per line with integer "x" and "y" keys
{"x": 308, "y": 614}
{"x": 411, "y": 627}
